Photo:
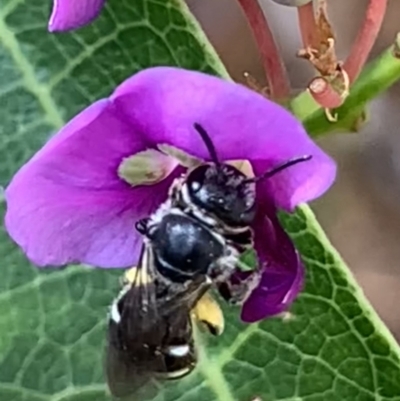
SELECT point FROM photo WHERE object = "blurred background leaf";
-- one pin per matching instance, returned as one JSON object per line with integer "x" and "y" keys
{"x": 52, "y": 324}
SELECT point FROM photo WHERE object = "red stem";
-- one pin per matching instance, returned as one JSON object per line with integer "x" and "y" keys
{"x": 365, "y": 38}
{"x": 323, "y": 93}
{"x": 273, "y": 65}
{"x": 308, "y": 27}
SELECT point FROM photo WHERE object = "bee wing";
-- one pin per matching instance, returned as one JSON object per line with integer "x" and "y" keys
{"x": 124, "y": 381}
{"x": 133, "y": 314}
{"x": 150, "y": 331}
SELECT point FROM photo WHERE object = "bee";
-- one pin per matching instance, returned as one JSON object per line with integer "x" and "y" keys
{"x": 191, "y": 243}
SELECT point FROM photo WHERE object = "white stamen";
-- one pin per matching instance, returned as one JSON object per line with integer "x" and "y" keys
{"x": 242, "y": 165}
{"x": 146, "y": 168}
{"x": 184, "y": 159}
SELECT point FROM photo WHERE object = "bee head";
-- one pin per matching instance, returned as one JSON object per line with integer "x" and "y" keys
{"x": 222, "y": 190}
{"x": 225, "y": 191}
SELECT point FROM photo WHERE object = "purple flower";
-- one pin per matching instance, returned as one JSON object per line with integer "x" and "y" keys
{"x": 73, "y": 14}
{"x": 69, "y": 204}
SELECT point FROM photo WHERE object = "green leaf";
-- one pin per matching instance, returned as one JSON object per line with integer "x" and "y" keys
{"x": 52, "y": 323}
{"x": 378, "y": 76}
{"x": 248, "y": 260}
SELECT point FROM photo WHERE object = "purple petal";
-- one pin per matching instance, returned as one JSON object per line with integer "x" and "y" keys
{"x": 73, "y": 14}
{"x": 282, "y": 277}
{"x": 165, "y": 102}
{"x": 67, "y": 204}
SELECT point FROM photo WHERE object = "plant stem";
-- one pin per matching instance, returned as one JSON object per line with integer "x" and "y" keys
{"x": 275, "y": 72}
{"x": 375, "y": 79}
{"x": 365, "y": 38}
{"x": 324, "y": 94}
{"x": 307, "y": 24}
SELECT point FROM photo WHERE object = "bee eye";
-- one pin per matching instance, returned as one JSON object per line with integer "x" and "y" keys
{"x": 196, "y": 179}
{"x": 195, "y": 186}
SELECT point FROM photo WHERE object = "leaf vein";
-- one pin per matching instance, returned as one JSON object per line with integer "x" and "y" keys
{"x": 42, "y": 93}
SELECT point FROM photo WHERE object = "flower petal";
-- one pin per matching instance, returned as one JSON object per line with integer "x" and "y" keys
{"x": 73, "y": 14}
{"x": 67, "y": 204}
{"x": 165, "y": 102}
{"x": 282, "y": 277}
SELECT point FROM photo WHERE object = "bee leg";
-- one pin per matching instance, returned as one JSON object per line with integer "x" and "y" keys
{"x": 141, "y": 225}
{"x": 223, "y": 269}
{"x": 208, "y": 312}
{"x": 237, "y": 291}
{"x": 234, "y": 294}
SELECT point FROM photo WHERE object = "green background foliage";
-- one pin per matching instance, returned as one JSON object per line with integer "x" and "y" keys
{"x": 52, "y": 323}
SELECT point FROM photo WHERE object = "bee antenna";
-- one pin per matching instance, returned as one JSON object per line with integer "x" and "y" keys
{"x": 208, "y": 142}
{"x": 277, "y": 169}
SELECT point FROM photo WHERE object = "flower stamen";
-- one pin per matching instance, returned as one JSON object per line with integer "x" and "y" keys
{"x": 146, "y": 168}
